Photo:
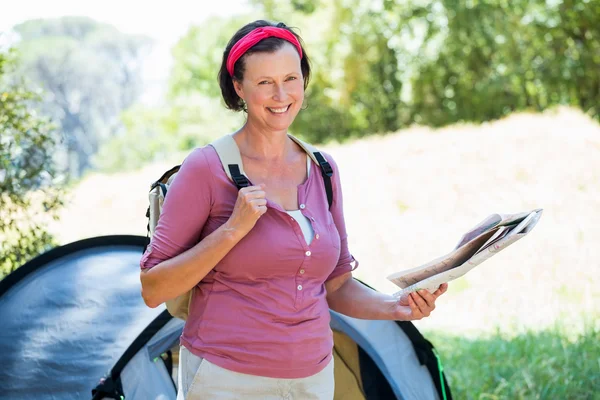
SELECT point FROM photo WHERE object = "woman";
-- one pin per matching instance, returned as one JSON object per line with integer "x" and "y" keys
{"x": 268, "y": 260}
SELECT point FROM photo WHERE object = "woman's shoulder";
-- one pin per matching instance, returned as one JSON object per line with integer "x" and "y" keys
{"x": 200, "y": 158}
{"x": 329, "y": 158}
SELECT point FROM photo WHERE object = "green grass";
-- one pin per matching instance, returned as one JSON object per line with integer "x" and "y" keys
{"x": 551, "y": 364}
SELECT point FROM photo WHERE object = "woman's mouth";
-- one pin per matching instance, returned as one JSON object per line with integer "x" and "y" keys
{"x": 280, "y": 110}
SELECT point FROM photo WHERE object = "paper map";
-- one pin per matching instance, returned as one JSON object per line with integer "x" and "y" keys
{"x": 490, "y": 236}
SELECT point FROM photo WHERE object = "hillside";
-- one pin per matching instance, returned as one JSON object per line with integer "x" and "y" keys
{"x": 410, "y": 195}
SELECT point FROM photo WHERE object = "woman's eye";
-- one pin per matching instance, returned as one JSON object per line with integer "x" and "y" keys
{"x": 292, "y": 78}
{"x": 263, "y": 82}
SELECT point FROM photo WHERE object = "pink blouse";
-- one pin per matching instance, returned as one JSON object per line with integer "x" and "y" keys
{"x": 262, "y": 310}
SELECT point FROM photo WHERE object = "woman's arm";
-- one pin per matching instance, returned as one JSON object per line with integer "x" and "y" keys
{"x": 350, "y": 297}
{"x": 175, "y": 276}
{"x": 181, "y": 273}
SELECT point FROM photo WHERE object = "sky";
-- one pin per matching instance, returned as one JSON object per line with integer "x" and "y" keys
{"x": 165, "y": 22}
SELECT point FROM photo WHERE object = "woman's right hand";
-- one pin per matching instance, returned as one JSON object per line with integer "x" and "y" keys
{"x": 250, "y": 205}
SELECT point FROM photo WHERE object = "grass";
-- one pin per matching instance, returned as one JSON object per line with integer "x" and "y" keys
{"x": 550, "y": 364}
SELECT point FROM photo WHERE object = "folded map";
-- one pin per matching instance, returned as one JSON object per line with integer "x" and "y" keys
{"x": 493, "y": 234}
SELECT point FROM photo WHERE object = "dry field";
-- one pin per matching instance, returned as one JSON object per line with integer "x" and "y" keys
{"x": 409, "y": 196}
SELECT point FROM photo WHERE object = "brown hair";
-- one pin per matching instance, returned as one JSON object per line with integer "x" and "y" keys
{"x": 268, "y": 45}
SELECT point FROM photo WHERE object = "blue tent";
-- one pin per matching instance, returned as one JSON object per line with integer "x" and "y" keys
{"x": 73, "y": 322}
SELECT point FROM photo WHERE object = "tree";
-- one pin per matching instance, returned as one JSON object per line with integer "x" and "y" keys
{"x": 30, "y": 184}
{"x": 197, "y": 57}
{"x": 90, "y": 73}
{"x": 481, "y": 60}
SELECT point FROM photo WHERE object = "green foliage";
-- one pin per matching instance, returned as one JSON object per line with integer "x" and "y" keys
{"x": 382, "y": 65}
{"x": 551, "y": 364}
{"x": 90, "y": 73}
{"x": 197, "y": 57}
{"x": 357, "y": 91}
{"x": 29, "y": 181}
{"x": 193, "y": 114}
{"x": 155, "y": 133}
{"x": 387, "y": 64}
{"x": 482, "y": 60}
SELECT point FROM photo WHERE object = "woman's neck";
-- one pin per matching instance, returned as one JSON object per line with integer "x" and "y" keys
{"x": 272, "y": 146}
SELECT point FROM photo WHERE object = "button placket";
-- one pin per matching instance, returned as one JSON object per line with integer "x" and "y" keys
{"x": 300, "y": 275}
{"x": 312, "y": 223}
{"x": 300, "y": 286}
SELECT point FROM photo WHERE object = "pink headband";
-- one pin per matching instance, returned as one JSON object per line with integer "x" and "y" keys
{"x": 258, "y": 34}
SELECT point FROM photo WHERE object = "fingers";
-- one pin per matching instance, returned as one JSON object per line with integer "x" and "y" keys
{"x": 258, "y": 202}
{"x": 403, "y": 300}
{"x": 253, "y": 188}
{"x": 424, "y": 301}
{"x": 260, "y": 208}
{"x": 252, "y": 192}
{"x": 441, "y": 290}
{"x": 421, "y": 303}
{"x": 414, "y": 308}
{"x": 428, "y": 297}
{"x": 255, "y": 198}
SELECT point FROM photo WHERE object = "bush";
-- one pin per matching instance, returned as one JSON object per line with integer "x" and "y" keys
{"x": 30, "y": 184}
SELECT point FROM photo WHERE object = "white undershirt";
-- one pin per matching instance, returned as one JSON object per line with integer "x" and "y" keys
{"x": 303, "y": 221}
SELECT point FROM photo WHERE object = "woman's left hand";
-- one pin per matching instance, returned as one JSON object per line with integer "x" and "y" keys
{"x": 416, "y": 305}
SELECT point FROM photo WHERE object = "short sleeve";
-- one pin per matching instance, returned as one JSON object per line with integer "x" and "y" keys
{"x": 185, "y": 211}
{"x": 346, "y": 262}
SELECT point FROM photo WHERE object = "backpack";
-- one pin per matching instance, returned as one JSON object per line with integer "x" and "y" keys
{"x": 231, "y": 160}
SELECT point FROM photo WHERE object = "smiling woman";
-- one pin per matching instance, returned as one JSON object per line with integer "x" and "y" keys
{"x": 268, "y": 260}
{"x": 234, "y": 68}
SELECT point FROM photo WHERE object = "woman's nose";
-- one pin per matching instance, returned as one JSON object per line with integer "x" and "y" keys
{"x": 280, "y": 93}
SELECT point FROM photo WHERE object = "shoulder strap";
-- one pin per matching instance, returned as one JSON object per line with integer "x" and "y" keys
{"x": 230, "y": 156}
{"x": 320, "y": 160}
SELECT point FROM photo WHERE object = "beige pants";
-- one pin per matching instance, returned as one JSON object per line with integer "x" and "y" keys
{"x": 199, "y": 379}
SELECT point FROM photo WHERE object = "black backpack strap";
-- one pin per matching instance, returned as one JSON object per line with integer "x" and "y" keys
{"x": 165, "y": 177}
{"x": 318, "y": 158}
{"x": 237, "y": 177}
{"x": 231, "y": 159}
{"x": 327, "y": 173}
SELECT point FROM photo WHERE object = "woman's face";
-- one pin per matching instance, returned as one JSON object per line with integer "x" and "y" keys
{"x": 273, "y": 87}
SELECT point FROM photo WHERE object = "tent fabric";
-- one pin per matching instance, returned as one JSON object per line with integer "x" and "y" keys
{"x": 346, "y": 368}
{"x": 74, "y": 315}
{"x": 68, "y": 315}
{"x": 146, "y": 376}
{"x": 397, "y": 359}
{"x": 391, "y": 350}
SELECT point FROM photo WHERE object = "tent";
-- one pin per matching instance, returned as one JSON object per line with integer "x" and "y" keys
{"x": 74, "y": 326}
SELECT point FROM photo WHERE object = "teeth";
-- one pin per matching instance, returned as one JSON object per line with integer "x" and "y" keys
{"x": 279, "y": 110}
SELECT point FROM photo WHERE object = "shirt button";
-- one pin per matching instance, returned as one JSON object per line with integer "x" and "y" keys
{"x": 317, "y": 236}
{"x": 302, "y": 206}
{"x": 299, "y": 287}
{"x": 301, "y": 271}
{"x": 308, "y": 253}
